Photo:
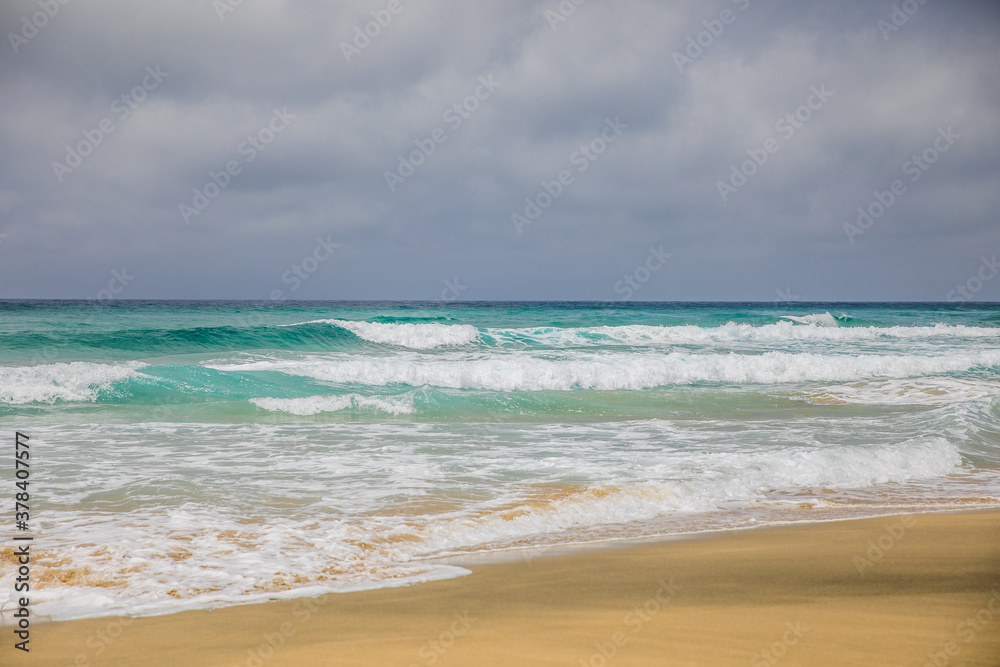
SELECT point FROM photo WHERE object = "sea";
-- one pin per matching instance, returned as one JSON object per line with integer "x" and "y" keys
{"x": 192, "y": 455}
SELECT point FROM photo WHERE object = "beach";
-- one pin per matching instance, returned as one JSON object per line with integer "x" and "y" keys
{"x": 196, "y": 455}
{"x": 443, "y": 334}
{"x": 892, "y": 590}
{"x": 434, "y": 334}
{"x": 229, "y": 483}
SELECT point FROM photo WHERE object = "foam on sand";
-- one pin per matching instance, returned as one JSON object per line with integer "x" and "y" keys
{"x": 738, "y": 596}
{"x": 198, "y": 556}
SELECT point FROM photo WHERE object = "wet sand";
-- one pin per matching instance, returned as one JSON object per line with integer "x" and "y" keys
{"x": 889, "y": 591}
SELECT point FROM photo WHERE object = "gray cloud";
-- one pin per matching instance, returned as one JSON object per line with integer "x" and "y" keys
{"x": 324, "y": 175}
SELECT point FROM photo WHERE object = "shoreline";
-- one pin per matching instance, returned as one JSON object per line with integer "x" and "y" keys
{"x": 499, "y": 556}
{"x": 716, "y": 599}
{"x": 506, "y": 555}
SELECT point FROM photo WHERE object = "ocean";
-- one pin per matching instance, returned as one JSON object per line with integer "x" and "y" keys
{"x": 199, "y": 454}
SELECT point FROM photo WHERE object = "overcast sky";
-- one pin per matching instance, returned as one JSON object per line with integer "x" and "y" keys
{"x": 115, "y": 114}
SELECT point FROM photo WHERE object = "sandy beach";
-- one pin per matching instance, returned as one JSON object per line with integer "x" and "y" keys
{"x": 906, "y": 590}
{"x": 476, "y": 334}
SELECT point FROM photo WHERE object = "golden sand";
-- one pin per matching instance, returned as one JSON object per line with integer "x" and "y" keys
{"x": 923, "y": 590}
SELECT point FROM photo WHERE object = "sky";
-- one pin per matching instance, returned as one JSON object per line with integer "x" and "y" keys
{"x": 500, "y": 150}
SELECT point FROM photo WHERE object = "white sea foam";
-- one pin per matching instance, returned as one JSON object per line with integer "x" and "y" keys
{"x": 610, "y": 371}
{"x": 314, "y": 405}
{"x": 417, "y": 336}
{"x": 48, "y": 383}
{"x": 731, "y": 332}
{"x": 815, "y": 327}
{"x": 911, "y": 391}
{"x": 703, "y": 483}
{"x": 198, "y": 556}
{"x": 819, "y": 319}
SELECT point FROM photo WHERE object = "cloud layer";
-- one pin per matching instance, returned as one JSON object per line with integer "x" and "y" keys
{"x": 231, "y": 146}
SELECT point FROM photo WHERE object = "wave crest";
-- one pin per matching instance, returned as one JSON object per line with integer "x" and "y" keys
{"x": 422, "y": 336}
{"x": 612, "y": 371}
{"x": 314, "y": 405}
{"x": 48, "y": 383}
{"x": 818, "y": 319}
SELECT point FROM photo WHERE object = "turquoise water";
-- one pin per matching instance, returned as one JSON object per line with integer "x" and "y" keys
{"x": 188, "y": 455}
